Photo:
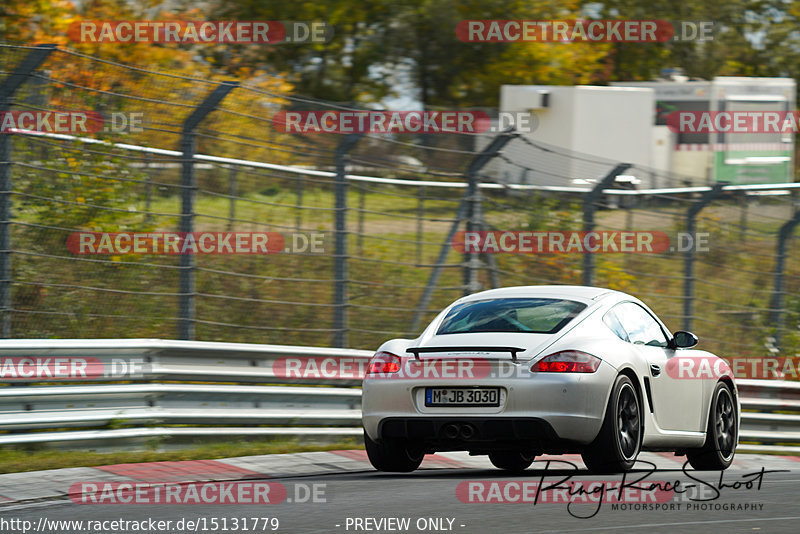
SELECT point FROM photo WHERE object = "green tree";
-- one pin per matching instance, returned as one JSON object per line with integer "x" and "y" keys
{"x": 376, "y": 41}
{"x": 750, "y": 38}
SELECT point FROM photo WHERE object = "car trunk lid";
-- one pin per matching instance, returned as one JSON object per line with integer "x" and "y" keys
{"x": 490, "y": 346}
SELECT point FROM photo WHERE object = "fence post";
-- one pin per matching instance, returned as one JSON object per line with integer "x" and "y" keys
{"x": 478, "y": 162}
{"x": 743, "y": 218}
{"x": 8, "y": 87}
{"x": 186, "y": 312}
{"x": 148, "y": 187}
{"x": 472, "y": 262}
{"x": 589, "y": 206}
{"x": 298, "y": 216}
{"x": 340, "y": 296}
{"x": 474, "y": 224}
{"x": 420, "y": 221}
{"x": 778, "y": 313}
{"x": 689, "y": 257}
{"x": 233, "y": 192}
{"x": 360, "y": 238}
{"x": 491, "y": 261}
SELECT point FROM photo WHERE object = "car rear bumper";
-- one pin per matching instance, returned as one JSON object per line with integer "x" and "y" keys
{"x": 475, "y": 433}
{"x": 545, "y": 408}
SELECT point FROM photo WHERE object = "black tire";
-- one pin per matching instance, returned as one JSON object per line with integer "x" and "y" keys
{"x": 722, "y": 433}
{"x": 616, "y": 447}
{"x": 392, "y": 456}
{"x": 515, "y": 461}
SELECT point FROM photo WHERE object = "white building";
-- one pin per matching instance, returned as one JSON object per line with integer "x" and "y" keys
{"x": 599, "y": 126}
{"x": 736, "y": 158}
{"x": 586, "y": 130}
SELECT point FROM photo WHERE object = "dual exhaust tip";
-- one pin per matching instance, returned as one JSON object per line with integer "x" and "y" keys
{"x": 458, "y": 431}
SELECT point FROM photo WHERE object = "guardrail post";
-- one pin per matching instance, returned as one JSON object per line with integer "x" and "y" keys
{"x": 340, "y": 296}
{"x": 689, "y": 256}
{"x": 778, "y": 313}
{"x": 8, "y": 87}
{"x": 589, "y": 206}
{"x": 466, "y": 208}
{"x": 186, "y": 312}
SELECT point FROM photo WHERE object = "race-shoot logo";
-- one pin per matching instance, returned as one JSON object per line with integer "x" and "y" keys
{"x": 631, "y": 491}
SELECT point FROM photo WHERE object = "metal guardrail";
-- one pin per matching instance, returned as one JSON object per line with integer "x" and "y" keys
{"x": 770, "y": 415}
{"x": 136, "y": 388}
{"x": 91, "y": 390}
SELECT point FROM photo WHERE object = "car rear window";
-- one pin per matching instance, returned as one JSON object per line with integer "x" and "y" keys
{"x": 531, "y": 315}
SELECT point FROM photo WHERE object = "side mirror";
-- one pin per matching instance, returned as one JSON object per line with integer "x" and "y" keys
{"x": 682, "y": 340}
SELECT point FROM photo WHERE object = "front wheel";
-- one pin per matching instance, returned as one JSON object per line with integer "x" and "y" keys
{"x": 616, "y": 447}
{"x": 392, "y": 456}
{"x": 514, "y": 461}
{"x": 721, "y": 433}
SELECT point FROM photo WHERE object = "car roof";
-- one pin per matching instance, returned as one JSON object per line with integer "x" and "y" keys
{"x": 583, "y": 293}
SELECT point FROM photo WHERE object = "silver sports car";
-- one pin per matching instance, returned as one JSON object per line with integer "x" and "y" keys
{"x": 522, "y": 371}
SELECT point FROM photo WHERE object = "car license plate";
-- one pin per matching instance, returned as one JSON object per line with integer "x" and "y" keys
{"x": 460, "y": 396}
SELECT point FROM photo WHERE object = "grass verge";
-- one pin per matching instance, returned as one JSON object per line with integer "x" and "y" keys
{"x": 19, "y": 460}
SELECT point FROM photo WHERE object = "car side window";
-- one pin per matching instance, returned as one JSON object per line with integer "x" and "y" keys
{"x": 639, "y": 325}
{"x": 612, "y": 321}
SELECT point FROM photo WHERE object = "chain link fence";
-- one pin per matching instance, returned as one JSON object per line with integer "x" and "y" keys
{"x": 393, "y": 210}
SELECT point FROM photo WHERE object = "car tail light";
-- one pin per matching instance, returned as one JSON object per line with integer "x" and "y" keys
{"x": 384, "y": 363}
{"x": 567, "y": 361}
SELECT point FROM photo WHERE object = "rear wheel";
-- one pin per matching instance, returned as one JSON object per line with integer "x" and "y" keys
{"x": 392, "y": 455}
{"x": 721, "y": 433}
{"x": 511, "y": 460}
{"x": 616, "y": 447}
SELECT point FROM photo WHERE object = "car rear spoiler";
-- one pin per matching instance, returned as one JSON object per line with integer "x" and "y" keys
{"x": 416, "y": 351}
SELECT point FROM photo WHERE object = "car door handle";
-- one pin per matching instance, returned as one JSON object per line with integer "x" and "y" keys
{"x": 655, "y": 370}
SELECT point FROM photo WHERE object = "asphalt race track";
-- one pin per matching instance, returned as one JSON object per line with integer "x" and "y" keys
{"x": 749, "y": 498}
